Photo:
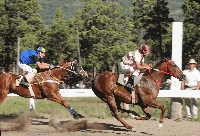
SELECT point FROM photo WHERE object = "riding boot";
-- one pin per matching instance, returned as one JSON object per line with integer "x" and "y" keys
{"x": 130, "y": 83}
{"x": 24, "y": 82}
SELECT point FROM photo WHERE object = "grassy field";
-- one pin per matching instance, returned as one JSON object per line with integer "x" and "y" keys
{"x": 89, "y": 107}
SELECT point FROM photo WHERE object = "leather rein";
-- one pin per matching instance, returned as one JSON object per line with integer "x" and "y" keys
{"x": 56, "y": 79}
{"x": 69, "y": 70}
{"x": 162, "y": 71}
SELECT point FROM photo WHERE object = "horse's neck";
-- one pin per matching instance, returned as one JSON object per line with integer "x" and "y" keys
{"x": 58, "y": 73}
{"x": 157, "y": 75}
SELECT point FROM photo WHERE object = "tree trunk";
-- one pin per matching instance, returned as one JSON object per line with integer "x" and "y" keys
{"x": 113, "y": 68}
{"x": 94, "y": 72}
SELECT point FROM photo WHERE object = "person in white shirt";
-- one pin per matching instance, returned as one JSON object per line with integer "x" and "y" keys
{"x": 133, "y": 62}
{"x": 192, "y": 82}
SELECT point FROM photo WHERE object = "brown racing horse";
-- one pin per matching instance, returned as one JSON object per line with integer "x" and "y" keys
{"x": 146, "y": 90}
{"x": 44, "y": 85}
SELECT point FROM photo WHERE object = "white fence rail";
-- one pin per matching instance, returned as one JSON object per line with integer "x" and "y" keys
{"x": 162, "y": 93}
{"x": 89, "y": 93}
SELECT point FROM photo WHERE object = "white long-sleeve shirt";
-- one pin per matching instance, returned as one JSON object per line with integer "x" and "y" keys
{"x": 192, "y": 77}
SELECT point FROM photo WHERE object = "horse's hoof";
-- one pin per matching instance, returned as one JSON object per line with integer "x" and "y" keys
{"x": 132, "y": 116}
{"x": 160, "y": 126}
{"x": 133, "y": 129}
{"x": 75, "y": 116}
{"x": 80, "y": 116}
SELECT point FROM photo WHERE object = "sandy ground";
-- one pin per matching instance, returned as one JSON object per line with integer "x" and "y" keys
{"x": 96, "y": 127}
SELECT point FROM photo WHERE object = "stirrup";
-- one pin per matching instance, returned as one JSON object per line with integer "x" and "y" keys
{"x": 129, "y": 86}
{"x": 24, "y": 83}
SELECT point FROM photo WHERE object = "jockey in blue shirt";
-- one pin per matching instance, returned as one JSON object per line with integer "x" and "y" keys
{"x": 28, "y": 57}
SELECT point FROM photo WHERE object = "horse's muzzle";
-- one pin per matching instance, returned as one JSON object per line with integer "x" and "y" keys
{"x": 182, "y": 77}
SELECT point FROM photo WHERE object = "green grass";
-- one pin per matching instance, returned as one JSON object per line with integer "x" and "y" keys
{"x": 89, "y": 107}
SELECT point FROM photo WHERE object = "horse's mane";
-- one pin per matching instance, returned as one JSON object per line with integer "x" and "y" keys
{"x": 156, "y": 64}
{"x": 161, "y": 60}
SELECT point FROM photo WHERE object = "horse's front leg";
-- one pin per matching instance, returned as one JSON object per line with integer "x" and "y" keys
{"x": 146, "y": 110}
{"x": 56, "y": 97}
{"x": 155, "y": 104}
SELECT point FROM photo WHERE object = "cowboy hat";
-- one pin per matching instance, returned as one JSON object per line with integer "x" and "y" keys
{"x": 192, "y": 61}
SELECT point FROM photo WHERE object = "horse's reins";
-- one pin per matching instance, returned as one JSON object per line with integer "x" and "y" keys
{"x": 167, "y": 69}
{"x": 64, "y": 69}
{"x": 57, "y": 80}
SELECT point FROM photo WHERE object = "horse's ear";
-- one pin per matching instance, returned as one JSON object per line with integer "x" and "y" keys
{"x": 68, "y": 59}
{"x": 164, "y": 59}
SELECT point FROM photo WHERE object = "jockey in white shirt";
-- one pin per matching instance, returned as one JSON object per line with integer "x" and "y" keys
{"x": 133, "y": 62}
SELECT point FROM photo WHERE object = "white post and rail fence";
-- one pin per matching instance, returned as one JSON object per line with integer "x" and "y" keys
{"x": 162, "y": 94}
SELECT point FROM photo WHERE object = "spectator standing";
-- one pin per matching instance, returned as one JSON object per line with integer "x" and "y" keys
{"x": 192, "y": 82}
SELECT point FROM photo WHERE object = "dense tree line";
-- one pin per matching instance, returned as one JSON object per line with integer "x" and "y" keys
{"x": 98, "y": 34}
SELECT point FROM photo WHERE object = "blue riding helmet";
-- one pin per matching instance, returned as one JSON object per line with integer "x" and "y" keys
{"x": 41, "y": 49}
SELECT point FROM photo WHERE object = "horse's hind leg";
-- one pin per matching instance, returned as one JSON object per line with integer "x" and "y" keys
{"x": 59, "y": 99}
{"x": 132, "y": 114}
{"x": 3, "y": 95}
{"x": 113, "y": 107}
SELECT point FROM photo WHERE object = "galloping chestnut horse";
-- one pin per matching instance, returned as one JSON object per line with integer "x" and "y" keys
{"x": 44, "y": 85}
{"x": 146, "y": 90}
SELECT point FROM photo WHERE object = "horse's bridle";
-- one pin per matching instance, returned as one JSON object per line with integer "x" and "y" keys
{"x": 165, "y": 72}
{"x": 71, "y": 70}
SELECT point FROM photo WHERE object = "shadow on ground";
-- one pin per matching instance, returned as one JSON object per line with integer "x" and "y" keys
{"x": 20, "y": 122}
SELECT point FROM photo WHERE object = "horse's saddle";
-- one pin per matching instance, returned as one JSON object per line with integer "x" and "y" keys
{"x": 18, "y": 79}
{"x": 123, "y": 79}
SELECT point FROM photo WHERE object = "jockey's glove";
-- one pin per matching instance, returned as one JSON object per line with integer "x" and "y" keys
{"x": 51, "y": 66}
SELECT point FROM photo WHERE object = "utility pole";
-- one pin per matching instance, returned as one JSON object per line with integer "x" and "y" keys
{"x": 18, "y": 48}
{"x": 159, "y": 27}
{"x": 79, "y": 54}
{"x": 77, "y": 42}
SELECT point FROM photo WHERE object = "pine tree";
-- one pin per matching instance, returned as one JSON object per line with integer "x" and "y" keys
{"x": 106, "y": 34}
{"x": 19, "y": 19}
{"x": 152, "y": 18}
{"x": 191, "y": 29}
{"x": 58, "y": 47}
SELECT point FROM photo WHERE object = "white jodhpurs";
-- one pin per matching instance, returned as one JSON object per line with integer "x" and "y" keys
{"x": 26, "y": 68}
{"x": 126, "y": 67}
{"x": 129, "y": 68}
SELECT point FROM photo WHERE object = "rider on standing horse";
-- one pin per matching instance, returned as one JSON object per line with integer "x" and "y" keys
{"x": 28, "y": 57}
{"x": 133, "y": 62}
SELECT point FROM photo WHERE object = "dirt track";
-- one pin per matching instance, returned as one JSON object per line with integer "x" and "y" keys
{"x": 99, "y": 127}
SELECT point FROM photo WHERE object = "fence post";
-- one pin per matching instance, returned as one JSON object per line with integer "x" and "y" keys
{"x": 177, "y": 35}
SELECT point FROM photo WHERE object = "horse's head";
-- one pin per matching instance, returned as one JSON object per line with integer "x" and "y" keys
{"x": 170, "y": 68}
{"x": 82, "y": 72}
{"x": 71, "y": 65}
{"x": 67, "y": 64}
